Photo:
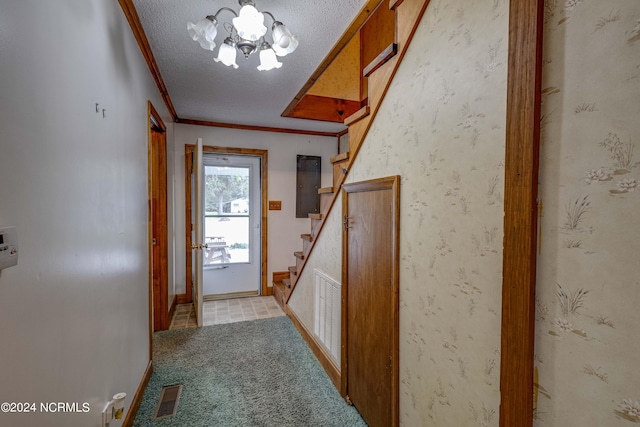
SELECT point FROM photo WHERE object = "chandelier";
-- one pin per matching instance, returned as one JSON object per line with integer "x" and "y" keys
{"x": 246, "y": 34}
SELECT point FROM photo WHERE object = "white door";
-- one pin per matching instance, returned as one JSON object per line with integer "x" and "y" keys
{"x": 232, "y": 221}
{"x": 197, "y": 246}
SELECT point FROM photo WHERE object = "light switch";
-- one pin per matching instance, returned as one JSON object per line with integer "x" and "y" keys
{"x": 275, "y": 205}
{"x": 8, "y": 247}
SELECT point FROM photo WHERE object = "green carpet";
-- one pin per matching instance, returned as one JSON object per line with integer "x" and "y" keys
{"x": 259, "y": 373}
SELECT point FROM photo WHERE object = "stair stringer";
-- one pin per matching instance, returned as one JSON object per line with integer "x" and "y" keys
{"x": 409, "y": 14}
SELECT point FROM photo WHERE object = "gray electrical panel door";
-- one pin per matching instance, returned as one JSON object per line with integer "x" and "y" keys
{"x": 308, "y": 171}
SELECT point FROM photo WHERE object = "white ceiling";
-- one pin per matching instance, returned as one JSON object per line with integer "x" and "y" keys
{"x": 202, "y": 89}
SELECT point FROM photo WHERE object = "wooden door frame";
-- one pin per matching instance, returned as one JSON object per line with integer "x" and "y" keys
{"x": 388, "y": 183}
{"x": 522, "y": 144}
{"x": 154, "y": 124}
{"x": 188, "y": 165}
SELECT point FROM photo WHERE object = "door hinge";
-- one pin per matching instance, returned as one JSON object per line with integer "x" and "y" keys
{"x": 345, "y": 223}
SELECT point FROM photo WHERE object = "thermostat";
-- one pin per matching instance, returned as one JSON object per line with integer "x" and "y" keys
{"x": 8, "y": 247}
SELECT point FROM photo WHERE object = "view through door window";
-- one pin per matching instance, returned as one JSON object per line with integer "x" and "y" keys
{"x": 226, "y": 222}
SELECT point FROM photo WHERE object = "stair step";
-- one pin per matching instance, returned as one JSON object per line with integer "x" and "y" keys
{"x": 307, "y": 237}
{"x": 279, "y": 292}
{"x": 360, "y": 114}
{"x": 325, "y": 190}
{"x": 299, "y": 255}
{"x": 286, "y": 283}
{"x": 293, "y": 270}
{"x": 340, "y": 157}
{"x": 384, "y": 56}
{"x": 316, "y": 216}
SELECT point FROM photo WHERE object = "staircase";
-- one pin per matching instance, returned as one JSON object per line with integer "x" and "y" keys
{"x": 380, "y": 74}
{"x": 284, "y": 281}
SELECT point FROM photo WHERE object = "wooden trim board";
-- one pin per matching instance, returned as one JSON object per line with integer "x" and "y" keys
{"x": 384, "y": 56}
{"x": 137, "y": 398}
{"x": 136, "y": 27}
{"x": 327, "y": 364}
{"x": 254, "y": 128}
{"x": 520, "y": 206}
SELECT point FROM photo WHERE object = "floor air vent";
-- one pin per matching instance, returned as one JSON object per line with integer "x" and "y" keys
{"x": 168, "y": 403}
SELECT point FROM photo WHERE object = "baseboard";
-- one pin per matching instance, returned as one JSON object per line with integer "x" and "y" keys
{"x": 330, "y": 368}
{"x": 172, "y": 309}
{"x": 182, "y": 299}
{"x": 230, "y": 295}
{"x": 137, "y": 398}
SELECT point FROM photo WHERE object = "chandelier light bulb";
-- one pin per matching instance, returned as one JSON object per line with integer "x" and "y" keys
{"x": 250, "y": 23}
{"x": 204, "y": 32}
{"x": 268, "y": 60}
{"x": 284, "y": 51}
{"x": 227, "y": 53}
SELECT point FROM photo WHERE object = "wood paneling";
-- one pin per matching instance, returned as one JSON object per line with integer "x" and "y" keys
{"x": 353, "y": 29}
{"x": 313, "y": 107}
{"x": 377, "y": 34}
{"x": 341, "y": 79}
{"x": 521, "y": 186}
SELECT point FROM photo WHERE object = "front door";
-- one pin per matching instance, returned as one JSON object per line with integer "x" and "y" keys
{"x": 370, "y": 299}
{"x": 232, "y": 221}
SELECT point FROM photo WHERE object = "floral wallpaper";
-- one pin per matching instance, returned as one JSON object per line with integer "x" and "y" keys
{"x": 588, "y": 287}
{"x": 441, "y": 128}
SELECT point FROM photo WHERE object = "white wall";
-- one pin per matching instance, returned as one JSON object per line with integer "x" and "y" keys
{"x": 284, "y": 228}
{"x": 74, "y": 312}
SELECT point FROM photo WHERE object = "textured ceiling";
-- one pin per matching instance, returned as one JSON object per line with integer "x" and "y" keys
{"x": 202, "y": 89}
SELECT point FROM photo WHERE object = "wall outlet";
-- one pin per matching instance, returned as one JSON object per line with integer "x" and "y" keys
{"x": 275, "y": 205}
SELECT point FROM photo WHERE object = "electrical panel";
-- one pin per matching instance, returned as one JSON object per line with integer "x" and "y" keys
{"x": 8, "y": 247}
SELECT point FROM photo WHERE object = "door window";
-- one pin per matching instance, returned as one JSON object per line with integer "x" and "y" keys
{"x": 226, "y": 218}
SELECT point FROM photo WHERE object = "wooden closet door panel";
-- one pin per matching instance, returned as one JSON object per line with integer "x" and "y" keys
{"x": 370, "y": 342}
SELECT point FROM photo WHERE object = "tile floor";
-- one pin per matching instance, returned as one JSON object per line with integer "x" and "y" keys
{"x": 226, "y": 311}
